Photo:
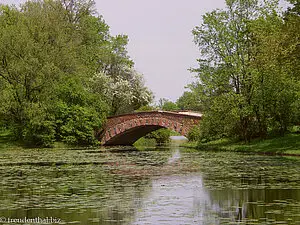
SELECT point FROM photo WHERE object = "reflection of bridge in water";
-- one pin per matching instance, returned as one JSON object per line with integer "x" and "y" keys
{"x": 128, "y": 128}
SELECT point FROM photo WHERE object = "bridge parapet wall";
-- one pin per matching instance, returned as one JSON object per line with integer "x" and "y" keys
{"x": 114, "y": 120}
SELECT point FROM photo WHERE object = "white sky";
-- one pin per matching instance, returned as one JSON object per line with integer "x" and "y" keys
{"x": 160, "y": 39}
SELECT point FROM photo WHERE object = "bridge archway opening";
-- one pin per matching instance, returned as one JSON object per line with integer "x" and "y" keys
{"x": 130, "y": 136}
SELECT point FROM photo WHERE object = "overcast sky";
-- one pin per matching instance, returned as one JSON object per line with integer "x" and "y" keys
{"x": 160, "y": 39}
{"x": 161, "y": 42}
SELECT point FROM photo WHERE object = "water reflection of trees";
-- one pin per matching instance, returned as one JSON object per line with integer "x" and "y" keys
{"x": 253, "y": 204}
{"x": 112, "y": 188}
{"x": 84, "y": 193}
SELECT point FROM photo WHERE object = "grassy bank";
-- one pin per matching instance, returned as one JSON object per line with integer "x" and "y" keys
{"x": 7, "y": 142}
{"x": 287, "y": 145}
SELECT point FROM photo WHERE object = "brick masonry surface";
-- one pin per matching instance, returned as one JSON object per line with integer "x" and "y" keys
{"x": 176, "y": 121}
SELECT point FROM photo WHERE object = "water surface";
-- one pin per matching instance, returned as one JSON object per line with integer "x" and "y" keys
{"x": 169, "y": 185}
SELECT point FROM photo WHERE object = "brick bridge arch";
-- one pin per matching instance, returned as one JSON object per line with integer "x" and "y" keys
{"x": 128, "y": 128}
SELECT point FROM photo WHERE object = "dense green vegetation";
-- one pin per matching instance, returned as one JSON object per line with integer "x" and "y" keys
{"x": 248, "y": 78}
{"x": 286, "y": 145}
{"x": 62, "y": 73}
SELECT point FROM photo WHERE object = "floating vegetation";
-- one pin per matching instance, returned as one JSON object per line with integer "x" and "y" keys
{"x": 126, "y": 186}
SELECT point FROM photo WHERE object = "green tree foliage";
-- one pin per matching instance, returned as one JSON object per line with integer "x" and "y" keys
{"x": 51, "y": 55}
{"x": 189, "y": 101}
{"x": 291, "y": 34}
{"x": 167, "y": 105}
{"x": 275, "y": 85}
{"x": 160, "y": 136}
{"x": 146, "y": 108}
{"x": 170, "y": 106}
{"x": 248, "y": 81}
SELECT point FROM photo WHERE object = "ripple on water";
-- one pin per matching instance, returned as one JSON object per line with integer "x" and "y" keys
{"x": 175, "y": 186}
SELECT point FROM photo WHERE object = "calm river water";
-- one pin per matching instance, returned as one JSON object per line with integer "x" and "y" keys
{"x": 169, "y": 185}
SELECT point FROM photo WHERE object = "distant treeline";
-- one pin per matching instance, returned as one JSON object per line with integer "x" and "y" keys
{"x": 248, "y": 79}
{"x": 62, "y": 72}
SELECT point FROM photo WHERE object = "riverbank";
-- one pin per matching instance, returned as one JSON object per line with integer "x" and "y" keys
{"x": 287, "y": 145}
{"x": 7, "y": 142}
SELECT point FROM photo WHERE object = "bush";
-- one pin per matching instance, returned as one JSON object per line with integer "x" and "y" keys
{"x": 161, "y": 136}
{"x": 39, "y": 129}
{"x": 76, "y": 124}
{"x": 194, "y": 134}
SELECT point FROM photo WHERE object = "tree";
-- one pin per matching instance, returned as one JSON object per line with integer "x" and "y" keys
{"x": 30, "y": 45}
{"x": 123, "y": 95}
{"x": 160, "y": 136}
{"x": 166, "y": 105}
{"x": 275, "y": 84}
{"x": 224, "y": 76}
{"x": 62, "y": 73}
{"x": 189, "y": 101}
{"x": 244, "y": 86}
{"x": 291, "y": 37}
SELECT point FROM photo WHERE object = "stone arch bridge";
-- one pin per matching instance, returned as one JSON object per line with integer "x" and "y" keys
{"x": 128, "y": 128}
